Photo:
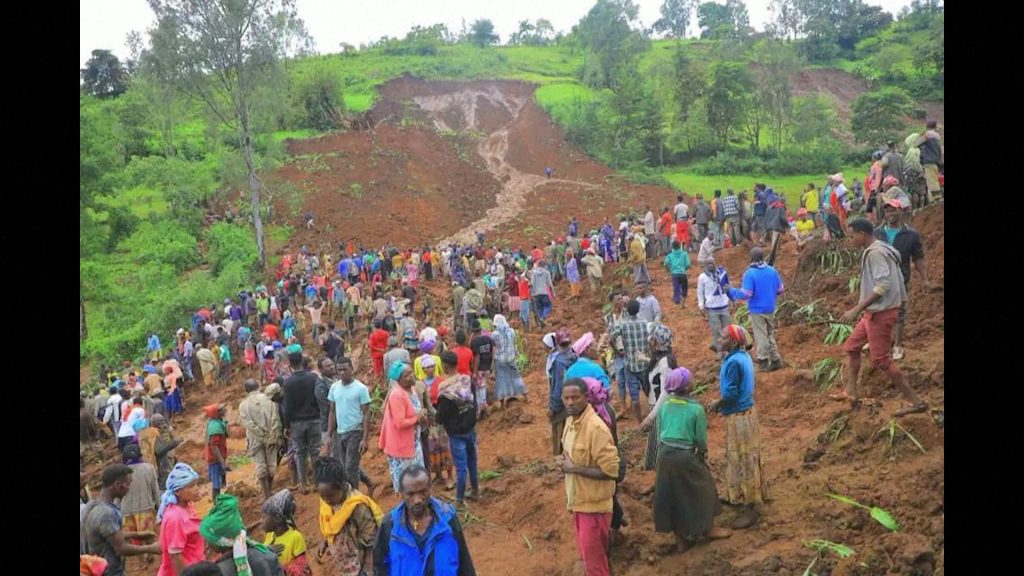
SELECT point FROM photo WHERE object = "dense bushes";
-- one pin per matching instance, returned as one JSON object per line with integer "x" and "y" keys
{"x": 150, "y": 283}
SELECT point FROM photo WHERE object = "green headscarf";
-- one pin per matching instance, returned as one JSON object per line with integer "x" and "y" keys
{"x": 223, "y": 528}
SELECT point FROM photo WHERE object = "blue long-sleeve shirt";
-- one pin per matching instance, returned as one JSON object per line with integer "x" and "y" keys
{"x": 761, "y": 286}
{"x": 559, "y": 367}
{"x": 737, "y": 382}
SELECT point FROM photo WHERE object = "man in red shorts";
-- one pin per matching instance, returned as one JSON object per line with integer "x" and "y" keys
{"x": 881, "y": 292}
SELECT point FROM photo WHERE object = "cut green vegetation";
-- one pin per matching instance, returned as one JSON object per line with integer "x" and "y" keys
{"x": 826, "y": 372}
{"x": 838, "y": 332}
{"x": 879, "y": 515}
{"x": 823, "y": 546}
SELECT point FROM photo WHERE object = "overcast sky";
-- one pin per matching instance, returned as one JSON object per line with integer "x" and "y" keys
{"x": 106, "y": 23}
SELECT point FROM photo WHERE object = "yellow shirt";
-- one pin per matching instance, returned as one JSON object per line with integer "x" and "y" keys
{"x": 588, "y": 442}
{"x": 804, "y": 227}
{"x": 293, "y": 542}
{"x": 811, "y": 200}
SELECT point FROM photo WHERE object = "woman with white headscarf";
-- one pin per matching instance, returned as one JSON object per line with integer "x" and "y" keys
{"x": 508, "y": 382}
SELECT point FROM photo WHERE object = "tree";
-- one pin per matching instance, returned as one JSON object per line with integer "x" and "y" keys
{"x": 228, "y": 51}
{"x": 689, "y": 85}
{"x": 856, "y": 20}
{"x": 544, "y": 31}
{"x": 878, "y": 116}
{"x": 153, "y": 79}
{"x": 541, "y": 33}
{"x": 776, "y": 64}
{"x": 103, "y": 75}
{"x": 728, "y": 97}
{"x": 932, "y": 52}
{"x": 813, "y": 118}
{"x": 481, "y": 33}
{"x": 609, "y": 41}
{"x": 729, "y": 20}
{"x": 675, "y": 18}
{"x": 637, "y": 132}
{"x": 827, "y": 25}
{"x": 786, "y": 19}
{"x": 320, "y": 94}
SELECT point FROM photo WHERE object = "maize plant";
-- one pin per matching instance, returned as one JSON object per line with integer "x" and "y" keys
{"x": 892, "y": 427}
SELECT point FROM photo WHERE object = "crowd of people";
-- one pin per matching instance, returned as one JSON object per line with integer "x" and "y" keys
{"x": 435, "y": 374}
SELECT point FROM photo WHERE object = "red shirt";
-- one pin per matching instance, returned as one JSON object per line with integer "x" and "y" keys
{"x": 524, "y": 289}
{"x": 220, "y": 442}
{"x": 585, "y": 243}
{"x": 271, "y": 330}
{"x": 379, "y": 341}
{"x": 665, "y": 223}
{"x": 465, "y": 364}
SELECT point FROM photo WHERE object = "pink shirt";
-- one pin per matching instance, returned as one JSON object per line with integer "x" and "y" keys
{"x": 398, "y": 428}
{"x": 180, "y": 532}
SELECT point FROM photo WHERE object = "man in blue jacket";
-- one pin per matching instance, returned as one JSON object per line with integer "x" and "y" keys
{"x": 761, "y": 288}
{"x": 422, "y": 535}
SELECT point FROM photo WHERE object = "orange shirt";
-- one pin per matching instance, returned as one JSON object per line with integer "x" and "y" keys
{"x": 665, "y": 224}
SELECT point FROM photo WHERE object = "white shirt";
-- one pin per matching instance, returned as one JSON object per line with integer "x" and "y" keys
{"x": 126, "y": 428}
{"x": 649, "y": 223}
{"x": 707, "y": 251}
{"x": 682, "y": 211}
{"x": 113, "y": 411}
{"x": 428, "y": 333}
{"x": 650, "y": 310}
{"x": 709, "y": 294}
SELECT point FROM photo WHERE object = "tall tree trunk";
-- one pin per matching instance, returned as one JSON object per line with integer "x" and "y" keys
{"x": 254, "y": 183}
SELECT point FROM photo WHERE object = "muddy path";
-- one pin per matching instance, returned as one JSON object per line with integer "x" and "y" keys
{"x": 493, "y": 148}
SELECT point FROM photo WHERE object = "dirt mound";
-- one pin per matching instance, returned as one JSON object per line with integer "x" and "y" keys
{"x": 409, "y": 185}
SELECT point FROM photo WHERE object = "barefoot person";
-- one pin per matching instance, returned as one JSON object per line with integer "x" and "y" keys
{"x": 882, "y": 290}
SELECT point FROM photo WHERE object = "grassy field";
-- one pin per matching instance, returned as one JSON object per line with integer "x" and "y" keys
{"x": 362, "y": 73}
{"x": 790, "y": 186}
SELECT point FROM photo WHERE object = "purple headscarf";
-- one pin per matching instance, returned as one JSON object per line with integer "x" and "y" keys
{"x": 678, "y": 381}
{"x": 427, "y": 346}
{"x": 597, "y": 396}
